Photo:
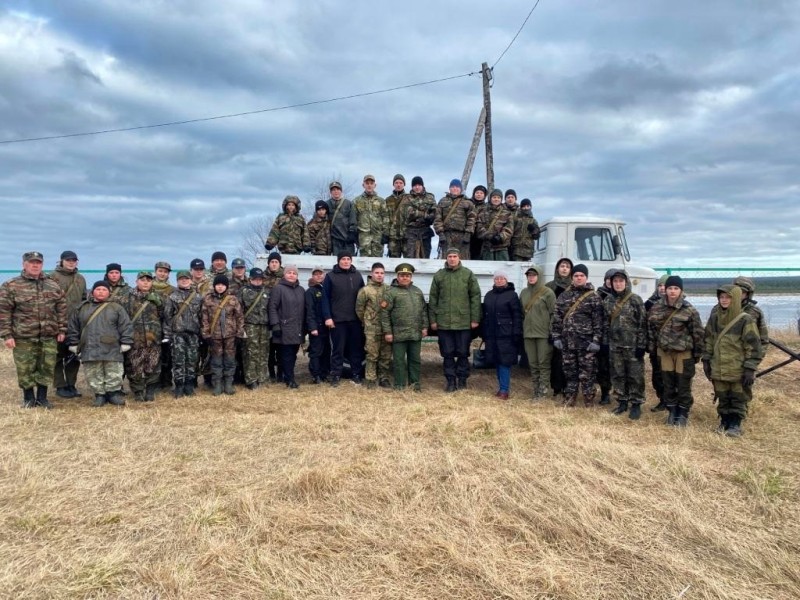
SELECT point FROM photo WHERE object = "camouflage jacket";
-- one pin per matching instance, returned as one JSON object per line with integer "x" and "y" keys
{"x": 454, "y": 213}
{"x": 675, "y": 328}
{"x": 372, "y": 218}
{"x": 405, "y": 314}
{"x": 73, "y": 284}
{"x": 189, "y": 319}
{"x": 203, "y": 286}
{"x": 319, "y": 235}
{"x": 249, "y": 295}
{"x": 271, "y": 279}
{"x": 522, "y": 242}
{"x": 585, "y": 324}
{"x": 393, "y": 203}
{"x": 163, "y": 288}
{"x": 627, "y": 320}
{"x": 289, "y": 234}
{"x": 495, "y": 221}
{"x": 145, "y": 312}
{"x": 369, "y": 304}
{"x": 749, "y": 306}
{"x": 101, "y": 339}
{"x": 415, "y": 210}
{"x": 118, "y": 290}
{"x": 230, "y": 319}
{"x": 344, "y": 226}
{"x": 32, "y": 308}
{"x": 738, "y": 349}
{"x": 235, "y": 284}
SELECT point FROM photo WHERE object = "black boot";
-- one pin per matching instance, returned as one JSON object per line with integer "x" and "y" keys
{"x": 659, "y": 407}
{"x": 41, "y": 397}
{"x": 138, "y": 396}
{"x": 178, "y": 391}
{"x": 451, "y": 385}
{"x": 672, "y": 415}
{"x": 75, "y": 392}
{"x": 635, "y": 412}
{"x": 606, "y": 399}
{"x": 682, "y": 419}
{"x": 150, "y": 392}
{"x": 28, "y": 398}
{"x": 116, "y": 398}
{"x": 292, "y": 385}
{"x": 188, "y": 387}
{"x": 734, "y": 426}
{"x": 99, "y": 400}
{"x": 228, "y": 386}
{"x": 621, "y": 409}
{"x": 724, "y": 423}
{"x": 462, "y": 383}
{"x": 385, "y": 383}
{"x": 64, "y": 392}
{"x": 217, "y": 384}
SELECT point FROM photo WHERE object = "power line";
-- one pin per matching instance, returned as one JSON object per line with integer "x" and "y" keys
{"x": 240, "y": 114}
{"x": 514, "y": 39}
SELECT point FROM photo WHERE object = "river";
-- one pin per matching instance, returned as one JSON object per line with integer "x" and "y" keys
{"x": 780, "y": 311}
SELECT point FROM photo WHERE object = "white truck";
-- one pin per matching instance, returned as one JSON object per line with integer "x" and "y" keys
{"x": 597, "y": 242}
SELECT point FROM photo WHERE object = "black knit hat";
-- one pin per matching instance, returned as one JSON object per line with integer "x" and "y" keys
{"x": 223, "y": 279}
{"x": 113, "y": 267}
{"x": 274, "y": 256}
{"x": 219, "y": 255}
{"x": 321, "y": 204}
{"x": 98, "y": 284}
{"x": 580, "y": 268}
{"x": 525, "y": 202}
{"x": 482, "y": 188}
{"x": 417, "y": 180}
{"x": 344, "y": 253}
{"x": 510, "y": 192}
{"x": 674, "y": 281}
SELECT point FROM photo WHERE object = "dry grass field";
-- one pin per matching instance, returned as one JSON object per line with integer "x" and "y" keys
{"x": 350, "y": 493}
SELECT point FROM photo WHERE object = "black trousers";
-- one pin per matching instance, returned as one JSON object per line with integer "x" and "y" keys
{"x": 288, "y": 358}
{"x": 347, "y": 341}
{"x": 454, "y": 348}
{"x": 319, "y": 353}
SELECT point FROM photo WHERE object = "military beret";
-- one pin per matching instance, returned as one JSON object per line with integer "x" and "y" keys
{"x": 238, "y": 262}
{"x": 144, "y": 274}
{"x": 33, "y": 256}
{"x": 404, "y": 268}
{"x": 184, "y": 275}
{"x": 198, "y": 264}
{"x": 162, "y": 264}
{"x": 68, "y": 255}
{"x": 256, "y": 273}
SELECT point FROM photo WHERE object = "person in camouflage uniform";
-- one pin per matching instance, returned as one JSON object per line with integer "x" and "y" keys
{"x": 182, "y": 332}
{"x": 510, "y": 202}
{"x": 272, "y": 276}
{"x": 656, "y": 380}
{"x": 454, "y": 221}
{"x": 393, "y": 203}
{"x": 369, "y": 303}
{"x": 237, "y": 281}
{"x": 372, "y": 220}
{"x": 319, "y": 230}
{"x": 255, "y": 300}
{"x": 731, "y": 354}
{"x": 414, "y": 218}
{"x": 559, "y": 284}
{"x": 143, "y": 363}
{"x": 578, "y": 327}
{"x": 675, "y": 334}
{"x": 604, "y": 356}
{"x": 526, "y": 232}
{"x": 219, "y": 265}
{"x": 116, "y": 282}
{"x": 404, "y": 321}
{"x": 479, "y": 193}
{"x": 33, "y": 321}
{"x": 344, "y": 227}
{"x": 495, "y": 228}
{"x": 289, "y": 231}
{"x": 319, "y": 337}
{"x": 538, "y": 304}
{"x": 101, "y": 333}
{"x": 221, "y": 322}
{"x": 164, "y": 288}
{"x": 200, "y": 280}
{"x": 74, "y": 286}
{"x": 748, "y": 288}
{"x": 627, "y": 342}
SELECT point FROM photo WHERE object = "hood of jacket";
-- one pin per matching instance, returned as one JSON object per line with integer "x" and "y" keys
{"x": 293, "y": 199}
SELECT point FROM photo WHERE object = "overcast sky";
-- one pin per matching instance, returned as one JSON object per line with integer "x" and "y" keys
{"x": 680, "y": 117}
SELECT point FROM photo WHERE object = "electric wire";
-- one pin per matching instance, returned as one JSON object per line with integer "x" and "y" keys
{"x": 514, "y": 39}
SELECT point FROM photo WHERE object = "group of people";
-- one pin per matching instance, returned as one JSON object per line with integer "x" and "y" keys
{"x": 571, "y": 335}
{"x": 486, "y": 226}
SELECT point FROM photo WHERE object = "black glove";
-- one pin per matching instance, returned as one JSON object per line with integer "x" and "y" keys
{"x": 639, "y": 353}
{"x": 352, "y": 238}
{"x": 531, "y": 228}
{"x": 707, "y": 369}
{"x": 276, "y": 329}
{"x": 307, "y": 249}
{"x": 384, "y": 239}
{"x": 748, "y": 377}
{"x": 268, "y": 247}
{"x": 429, "y": 220}
{"x": 496, "y": 239}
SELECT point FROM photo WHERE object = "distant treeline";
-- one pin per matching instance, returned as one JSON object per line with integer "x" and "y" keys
{"x": 764, "y": 285}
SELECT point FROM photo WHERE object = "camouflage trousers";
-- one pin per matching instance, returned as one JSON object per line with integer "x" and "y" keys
{"x": 370, "y": 246}
{"x": 379, "y": 358}
{"x": 417, "y": 242}
{"x": 489, "y": 254}
{"x": 454, "y": 239}
{"x": 185, "y": 355}
{"x": 395, "y": 248}
{"x": 732, "y": 397}
{"x": 256, "y": 353}
{"x": 35, "y": 361}
{"x": 580, "y": 372}
{"x": 677, "y": 372}
{"x": 223, "y": 358}
{"x": 103, "y": 376}
{"x": 627, "y": 376}
{"x": 143, "y": 366}
{"x": 67, "y": 365}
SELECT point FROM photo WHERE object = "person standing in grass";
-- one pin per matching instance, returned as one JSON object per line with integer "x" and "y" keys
{"x": 287, "y": 320}
{"x": 502, "y": 330}
{"x": 656, "y": 380}
{"x": 561, "y": 281}
{"x": 74, "y": 285}
{"x": 222, "y": 321}
{"x": 748, "y": 288}
{"x": 143, "y": 363}
{"x": 404, "y": 321}
{"x": 319, "y": 338}
{"x": 369, "y": 303}
{"x": 254, "y": 297}
{"x": 538, "y": 303}
{"x": 731, "y": 353}
{"x": 339, "y": 293}
{"x": 182, "y": 330}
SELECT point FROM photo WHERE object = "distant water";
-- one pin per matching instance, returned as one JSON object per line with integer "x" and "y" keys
{"x": 781, "y": 312}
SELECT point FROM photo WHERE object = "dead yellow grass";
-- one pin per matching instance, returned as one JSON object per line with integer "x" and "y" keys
{"x": 349, "y": 493}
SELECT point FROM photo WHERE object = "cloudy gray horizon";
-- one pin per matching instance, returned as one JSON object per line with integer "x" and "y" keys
{"x": 682, "y": 119}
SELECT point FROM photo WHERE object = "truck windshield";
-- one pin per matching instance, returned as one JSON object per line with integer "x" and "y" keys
{"x": 625, "y": 252}
{"x": 594, "y": 243}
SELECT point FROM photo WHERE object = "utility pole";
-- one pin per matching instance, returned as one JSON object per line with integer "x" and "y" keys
{"x": 484, "y": 127}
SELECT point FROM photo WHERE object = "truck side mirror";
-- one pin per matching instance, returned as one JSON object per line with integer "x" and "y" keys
{"x": 617, "y": 245}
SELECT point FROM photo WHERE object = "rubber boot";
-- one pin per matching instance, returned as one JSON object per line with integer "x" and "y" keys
{"x": 178, "y": 391}
{"x": 216, "y": 382}
{"x": 682, "y": 419}
{"x": 672, "y": 415}
{"x": 28, "y": 398}
{"x": 621, "y": 409}
{"x": 635, "y": 412}
{"x": 451, "y": 385}
{"x": 150, "y": 392}
{"x": 41, "y": 397}
{"x": 734, "y": 426}
{"x": 228, "y": 386}
{"x": 606, "y": 399}
{"x": 116, "y": 398}
{"x": 99, "y": 400}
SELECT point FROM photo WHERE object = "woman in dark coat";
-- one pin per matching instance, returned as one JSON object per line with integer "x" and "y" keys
{"x": 502, "y": 330}
{"x": 287, "y": 319}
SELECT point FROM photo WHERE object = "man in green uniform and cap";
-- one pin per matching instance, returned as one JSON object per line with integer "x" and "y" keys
{"x": 74, "y": 285}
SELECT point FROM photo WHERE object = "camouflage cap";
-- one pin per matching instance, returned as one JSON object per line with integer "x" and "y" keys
{"x": 144, "y": 274}
{"x": 33, "y": 255}
{"x": 184, "y": 275}
{"x": 238, "y": 262}
{"x": 453, "y": 251}
{"x": 747, "y": 284}
{"x": 162, "y": 264}
{"x": 404, "y": 268}
{"x": 369, "y": 177}
{"x": 334, "y": 184}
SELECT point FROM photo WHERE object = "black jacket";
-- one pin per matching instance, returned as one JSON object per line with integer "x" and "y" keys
{"x": 502, "y": 325}
{"x": 339, "y": 292}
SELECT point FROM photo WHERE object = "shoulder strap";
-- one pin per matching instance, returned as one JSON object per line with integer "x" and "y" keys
{"x": 140, "y": 311}
{"x": 255, "y": 302}
{"x": 184, "y": 305}
{"x": 668, "y": 319}
{"x": 727, "y": 329}
{"x": 453, "y": 206}
{"x": 91, "y": 318}
{"x": 534, "y": 298}
{"x": 577, "y": 303}
{"x": 215, "y": 318}
{"x": 620, "y": 304}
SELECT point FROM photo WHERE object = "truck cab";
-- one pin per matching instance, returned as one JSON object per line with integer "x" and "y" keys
{"x": 597, "y": 242}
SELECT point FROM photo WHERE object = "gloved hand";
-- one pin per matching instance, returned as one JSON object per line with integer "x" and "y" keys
{"x": 558, "y": 344}
{"x": 639, "y": 353}
{"x": 429, "y": 220}
{"x": 496, "y": 239}
{"x": 275, "y": 329}
{"x": 73, "y": 349}
{"x": 155, "y": 298}
{"x": 352, "y": 238}
{"x": 268, "y": 247}
{"x": 124, "y": 348}
{"x": 243, "y": 336}
{"x": 707, "y": 369}
{"x": 307, "y": 249}
{"x": 384, "y": 239}
{"x": 531, "y": 228}
{"x": 592, "y": 347}
{"x": 748, "y": 377}
{"x": 165, "y": 340}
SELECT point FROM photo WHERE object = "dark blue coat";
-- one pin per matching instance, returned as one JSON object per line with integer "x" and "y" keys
{"x": 502, "y": 325}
